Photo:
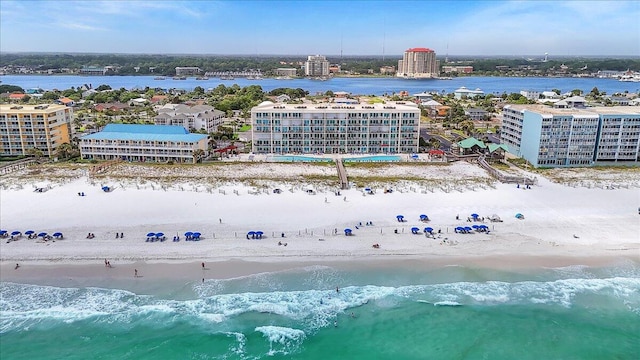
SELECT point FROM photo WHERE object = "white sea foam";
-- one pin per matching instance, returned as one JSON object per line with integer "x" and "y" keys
{"x": 23, "y": 306}
{"x": 282, "y": 340}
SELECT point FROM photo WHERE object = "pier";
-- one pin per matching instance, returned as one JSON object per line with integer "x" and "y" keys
{"x": 342, "y": 174}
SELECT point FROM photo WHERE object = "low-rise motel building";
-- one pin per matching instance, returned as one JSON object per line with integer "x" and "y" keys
{"x": 42, "y": 127}
{"x": 332, "y": 128}
{"x": 143, "y": 143}
{"x": 552, "y": 137}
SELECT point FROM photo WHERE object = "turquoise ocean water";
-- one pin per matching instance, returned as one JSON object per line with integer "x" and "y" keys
{"x": 452, "y": 312}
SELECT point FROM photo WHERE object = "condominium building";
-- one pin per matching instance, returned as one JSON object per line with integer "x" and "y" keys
{"x": 335, "y": 128}
{"x": 187, "y": 70}
{"x": 316, "y": 65}
{"x": 42, "y": 127}
{"x": 285, "y": 72}
{"x": 199, "y": 117}
{"x": 552, "y": 137}
{"x": 144, "y": 143}
{"x": 418, "y": 63}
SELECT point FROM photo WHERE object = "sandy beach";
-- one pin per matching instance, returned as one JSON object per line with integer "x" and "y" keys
{"x": 225, "y": 203}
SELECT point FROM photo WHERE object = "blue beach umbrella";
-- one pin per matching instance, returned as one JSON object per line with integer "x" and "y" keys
{"x": 259, "y": 234}
{"x": 467, "y": 228}
{"x": 28, "y": 232}
{"x": 251, "y": 233}
{"x": 159, "y": 234}
{"x": 428, "y": 230}
{"x": 400, "y": 217}
{"x": 483, "y": 226}
{"x": 2, "y": 232}
{"x": 475, "y": 226}
{"x": 188, "y": 233}
{"x": 42, "y": 234}
{"x": 474, "y": 215}
{"x": 347, "y": 231}
{"x": 151, "y": 234}
{"x": 459, "y": 228}
{"x": 415, "y": 230}
{"x": 57, "y": 234}
{"x": 196, "y": 234}
{"x": 18, "y": 233}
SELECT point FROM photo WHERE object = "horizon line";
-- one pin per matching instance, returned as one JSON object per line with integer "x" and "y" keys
{"x": 298, "y": 55}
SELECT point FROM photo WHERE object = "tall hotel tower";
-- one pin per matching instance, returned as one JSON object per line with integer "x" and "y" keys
{"x": 418, "y": 63}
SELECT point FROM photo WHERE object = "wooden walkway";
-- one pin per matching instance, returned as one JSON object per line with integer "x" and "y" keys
{"x": 508, "y": 179}
{"x": 101, "y": 167}
{"x": 16, "y": 165}
{"x": 342, "y": 174}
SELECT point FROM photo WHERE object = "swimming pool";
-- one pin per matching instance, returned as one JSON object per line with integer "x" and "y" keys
{"x": 375, "y": 158}
{"x": 298, "y": 158}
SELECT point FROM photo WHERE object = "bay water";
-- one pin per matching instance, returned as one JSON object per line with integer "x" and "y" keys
{"x": 334, "y": 312}
{"x": 356, "y": 86}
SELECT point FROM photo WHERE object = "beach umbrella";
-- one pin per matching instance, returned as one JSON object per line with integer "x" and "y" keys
{"x": 188, "y": 233}
{"x": 57, "y": 234}
{"x": 367, "y": 189}
{"x": 42, "y": 234}
{"x": 347, "y": 231}
{"x": 400, "y": 217}
{"x": 28, "y": 232}
{"x": 2, "y": 232}
{"x": 151, "y": 234}
{"x": 415, "y": 230}
{"x": 483, "y": 226}
{"x": 159, "y": 234}
{"x": 475, "y": 226}
{"x": 196, "y": 234}
{"x": 474, "y": 215}
{"x": 18, "y": 233}
{"x": 466, "y": 228}
{"x": 428, "y": 229}
{"x": 251, "y": 233}
{"x": 259, "y": 234}
{"x": 459, "y": 228}
{"x": 105, "y": 188}
{"x": 423, "y": 217}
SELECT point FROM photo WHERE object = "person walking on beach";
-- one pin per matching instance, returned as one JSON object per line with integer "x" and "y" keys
{"x": 135, "y": 272}
{"x": 106, "y": 263}
{"x": 220, "y": 220}
{"x": 17, "y": 266}
{"x": 202, "y": 265}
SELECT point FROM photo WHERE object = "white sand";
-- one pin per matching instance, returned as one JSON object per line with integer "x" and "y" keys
{"x": 604, "y": 222}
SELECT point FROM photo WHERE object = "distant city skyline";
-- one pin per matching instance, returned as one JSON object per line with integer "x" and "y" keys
{"x": 355, "y": 28}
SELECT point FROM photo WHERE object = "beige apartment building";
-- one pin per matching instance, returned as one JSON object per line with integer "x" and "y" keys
{"x": 42, "y": 127}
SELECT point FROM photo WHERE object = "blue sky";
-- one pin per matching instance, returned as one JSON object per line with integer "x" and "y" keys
{"x": 301, "y": 27}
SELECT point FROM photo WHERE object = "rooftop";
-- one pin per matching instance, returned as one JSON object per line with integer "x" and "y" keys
{"x": 145, "y": 133}
{"x": 419, "y": 49}
{"x": 324, "y": 107}
{"x": 543, "y": 109}
{"x": 42, "y": 108}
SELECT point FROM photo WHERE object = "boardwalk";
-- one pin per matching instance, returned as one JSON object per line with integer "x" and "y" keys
{"x": 342, "y": 174}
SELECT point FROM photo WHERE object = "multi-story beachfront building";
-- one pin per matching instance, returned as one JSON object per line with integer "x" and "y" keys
{"x": 42, "y": 127}
{"x": 316, "y": 65}
{"x": 335, "y": 128}
{"x": 199, "y": 117}
{"x": 418, "y": 63}
{"x": 552, "y": 137}
{"x": 145, "y": 143}
{"x": 187, "y": 70}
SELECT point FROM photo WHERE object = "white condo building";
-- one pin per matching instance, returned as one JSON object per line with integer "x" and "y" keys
{"x": 418, "y": 63}
{"x": 143, "y": 143}
{"x": 316, "y": 65}
{"x": 199, "y": 117}
{"x": 552, "y": 137}
{"x": 335, "y": 128}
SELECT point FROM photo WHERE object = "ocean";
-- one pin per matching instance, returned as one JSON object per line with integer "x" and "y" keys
{"x": 356, "y": 86}
{"x": 332, "y": 312}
